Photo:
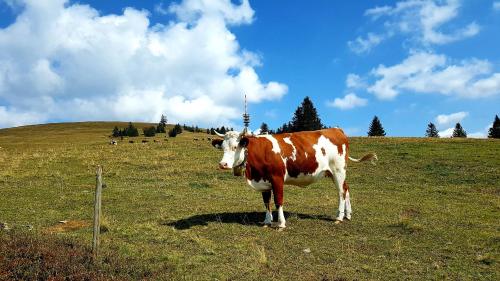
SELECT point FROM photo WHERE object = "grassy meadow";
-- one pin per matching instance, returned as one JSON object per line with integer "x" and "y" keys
{"x": 429, "y": 209}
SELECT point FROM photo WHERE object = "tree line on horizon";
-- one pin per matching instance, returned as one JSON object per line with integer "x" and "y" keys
{"x": 305, "y": 118}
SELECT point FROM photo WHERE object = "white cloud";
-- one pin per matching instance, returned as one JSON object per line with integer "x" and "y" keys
{"x": 64, "y": 61}
{"x": 364, "y": 45}
{"x": 423, "y": 21}
{"x": 354, "y": 81}
{"x": 161, "y": 9}
{"x": 482, "y": 134}
{"x": 11, "y": 117}
{"x": 424, "y": 72}
{"x": 349, "y": 101}
{"x": 447, "y": 133}
{"x": 496, "y": 5}
{"x": 448, "y": 119}
{"x": 192, "y": 10}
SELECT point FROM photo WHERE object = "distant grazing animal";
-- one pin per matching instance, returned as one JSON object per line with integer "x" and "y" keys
{"x": 291, "y": 158}
{"x": 113, "y": 142}
{"x": 209, "y": 139}
{"x": 217, "y": 143}
{"x": 195, "y": 139}
{"x": 145, "y": 141}
{"x": 131, "y": 141}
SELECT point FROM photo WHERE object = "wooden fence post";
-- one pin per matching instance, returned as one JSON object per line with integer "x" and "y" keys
{"x": 97, "y": 212}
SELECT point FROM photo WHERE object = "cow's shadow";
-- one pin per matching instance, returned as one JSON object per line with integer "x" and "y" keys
{"x": 243, "y": 218}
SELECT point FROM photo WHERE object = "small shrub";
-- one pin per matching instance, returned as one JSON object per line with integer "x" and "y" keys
{"x": 172, "y": 133}
{"x": 27, "y": 256}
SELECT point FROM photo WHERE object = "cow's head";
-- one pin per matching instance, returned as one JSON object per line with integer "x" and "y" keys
{"x": 234, "y": 154}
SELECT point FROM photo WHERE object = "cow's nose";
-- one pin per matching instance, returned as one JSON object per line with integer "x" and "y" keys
{"x": 223, "y": 165}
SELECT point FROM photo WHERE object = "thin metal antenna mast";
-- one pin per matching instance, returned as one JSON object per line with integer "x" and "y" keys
{"x": 246, "y": 116}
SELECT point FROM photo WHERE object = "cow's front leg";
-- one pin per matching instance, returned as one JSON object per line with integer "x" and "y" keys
{"x": 266, "y": 197}
{"x": 278, "y": 201}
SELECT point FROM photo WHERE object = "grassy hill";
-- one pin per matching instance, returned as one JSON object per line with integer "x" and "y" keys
{"x": 429, "y": 209}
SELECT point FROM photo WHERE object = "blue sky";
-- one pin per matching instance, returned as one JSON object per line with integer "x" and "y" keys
{"x": 409, "y": 62}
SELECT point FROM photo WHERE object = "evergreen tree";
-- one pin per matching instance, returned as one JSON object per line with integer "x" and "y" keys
{"x": 431, "y": 131}
{"x": 162, "y": 125}
{"x": 212, "y": 131}
{"x": 222, "y": 130}
{"x": 172, "y": 133}
{"x": 306, "y": 117}
{"x": 376, "y": 129}
{"x": 264, "y": 129}
{"x": 131, "y": 130}
{"x": 149, "y": 131}
{"x": 459, "y": 132}
{"x": 178, "y": 129}
{"x": 116, "y": 132}
{"x": 494, "y": 131}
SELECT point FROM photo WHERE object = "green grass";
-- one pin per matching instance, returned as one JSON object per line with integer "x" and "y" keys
{"x": 429, "y": 209}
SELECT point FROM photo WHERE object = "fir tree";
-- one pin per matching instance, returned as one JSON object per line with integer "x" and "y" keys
{"x": 264, "y": 129}
{"x": 172, "y": 133}
{"x": 306, "y": 117}
{"x": 494, "y": 131}
{"x": 376, "y": 129}
{"x": 149, "y": 131}
{"x": 161, "y": 128}
{"x": 431, "y": 131}
{"x": 459, "y": 132}
{"x": 131, "y": 130}
{"x": 178, "y": 129}
{"x": 116, "y": 132}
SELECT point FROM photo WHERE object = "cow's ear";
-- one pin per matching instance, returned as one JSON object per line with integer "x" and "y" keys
{"x": 244, "y": 142}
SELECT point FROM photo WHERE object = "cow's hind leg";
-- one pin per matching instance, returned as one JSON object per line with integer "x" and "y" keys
{"x": 344, "y": 209}
{"x": 348, "y": 209}
{"x": 266, "y": 197}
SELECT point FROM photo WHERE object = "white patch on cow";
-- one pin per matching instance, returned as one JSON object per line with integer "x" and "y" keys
{"x": 294, "y": 153}
{"x": 332, "y": 156}
{"x": 302, "y": 179}
{"x": 276, "y": 147}
{"x": 306, "y": 154}
{"x": 261, "y": 185}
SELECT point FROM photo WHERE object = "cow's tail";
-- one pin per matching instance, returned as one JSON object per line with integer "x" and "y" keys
{"x": 368, "y": 157}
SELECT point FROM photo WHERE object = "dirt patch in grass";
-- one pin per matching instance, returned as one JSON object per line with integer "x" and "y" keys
{"x": 65, "y": 226}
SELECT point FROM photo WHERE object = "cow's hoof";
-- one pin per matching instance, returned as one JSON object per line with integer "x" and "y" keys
{"x": 281, "y": 228}
{"x": 347, "y": 218}
{"x": 338, "y": 221}
{"x": 266, "y": 225}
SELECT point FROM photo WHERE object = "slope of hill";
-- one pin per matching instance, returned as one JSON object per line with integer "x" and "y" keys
{"x": 428, "y": 210}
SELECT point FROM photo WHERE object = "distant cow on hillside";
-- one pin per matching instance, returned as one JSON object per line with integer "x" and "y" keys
{"x": 217, "y": 143}
{"x": 291, "y": 158}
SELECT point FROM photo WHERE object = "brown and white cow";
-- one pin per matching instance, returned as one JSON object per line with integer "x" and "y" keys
{"x": 291, "y": 158}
